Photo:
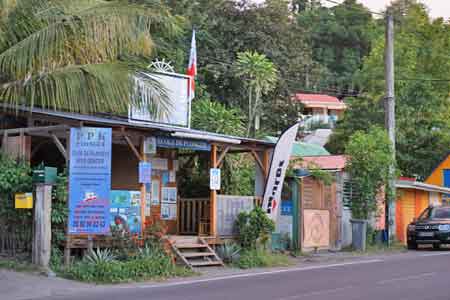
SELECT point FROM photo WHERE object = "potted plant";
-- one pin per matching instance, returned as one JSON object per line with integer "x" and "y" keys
{"x": 369, "y": 157}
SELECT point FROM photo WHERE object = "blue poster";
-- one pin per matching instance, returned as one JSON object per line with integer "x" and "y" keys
{"x": 145, "y": 172}
{"x": 89, "y": 180}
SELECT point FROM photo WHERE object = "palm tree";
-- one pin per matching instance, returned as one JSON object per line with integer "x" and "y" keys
{"x": 81, "y": 56}
{"x": 259, "y": 77}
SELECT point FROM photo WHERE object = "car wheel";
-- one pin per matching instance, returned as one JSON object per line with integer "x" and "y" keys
{"x": 436, "y": 246}
{"x": 412, "y": 246}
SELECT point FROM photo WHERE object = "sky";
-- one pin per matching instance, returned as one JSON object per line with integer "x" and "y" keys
{"x": 438, "y": 8}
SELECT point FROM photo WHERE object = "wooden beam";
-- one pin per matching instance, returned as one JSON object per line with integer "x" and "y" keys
{"x": 266, "y": 163}
{"x": 258, "y": 160}
{"x": 222, "y": 155}
{"x": 133, "y": 148}
{"x": 213, "y": 196}
{"x": 59, "y": 145}
{"x": 34, "y": 129}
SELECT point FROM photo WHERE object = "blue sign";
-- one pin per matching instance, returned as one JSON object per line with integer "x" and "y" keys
{"x": 89, "y": 180}
{"x": 145, "y": 172}
{"x": 286, "y": 207}
{"x": 171, "y": 142}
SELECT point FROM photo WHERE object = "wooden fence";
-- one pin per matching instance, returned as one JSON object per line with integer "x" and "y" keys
{"x": 193, "y": 216}
{"x": 15, "y": 238}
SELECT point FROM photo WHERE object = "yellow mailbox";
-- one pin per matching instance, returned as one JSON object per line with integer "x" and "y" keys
{"x": 24, "y": 200}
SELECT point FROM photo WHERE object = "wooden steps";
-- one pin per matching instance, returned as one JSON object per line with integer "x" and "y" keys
{"x": 194, "y": 252}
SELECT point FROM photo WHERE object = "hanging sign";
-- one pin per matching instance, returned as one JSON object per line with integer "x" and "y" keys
{"x": 214, "y": 179}
{"x": 150, "y": 145}
{"x": 278, "y": 167}
{"x": 89, "y": 180}
{"x": 23, "y": 200}
{"x": 145, "y": 172}
{"x": 171, "y": 142}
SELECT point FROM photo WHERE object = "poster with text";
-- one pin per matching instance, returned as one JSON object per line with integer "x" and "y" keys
{"x": 89, "y": 180}
{"x": 125, "y": 211}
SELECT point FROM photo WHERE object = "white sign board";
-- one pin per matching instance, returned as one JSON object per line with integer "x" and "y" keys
{"x": 228, "y": 209}
{"x": 176, "y": 87}
{"x": 214, "y": 179}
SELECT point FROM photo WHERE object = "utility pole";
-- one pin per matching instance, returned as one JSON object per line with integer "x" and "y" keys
{"x": 389, "y": 107}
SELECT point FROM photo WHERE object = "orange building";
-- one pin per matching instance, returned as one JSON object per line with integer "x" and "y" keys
{"x": 441, "y": 177}
{"x": 412, "y": 199}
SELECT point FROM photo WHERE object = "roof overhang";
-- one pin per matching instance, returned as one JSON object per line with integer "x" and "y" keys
{"x": 121, "y": 122}
{"x": 416, "y": 185}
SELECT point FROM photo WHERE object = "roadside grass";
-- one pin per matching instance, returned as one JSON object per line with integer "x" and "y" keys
{"x": 378, "y": 248}
{"x": 262, "y": 259}
{"x": 17, "y": 265}
{"x": 122, "y": 272}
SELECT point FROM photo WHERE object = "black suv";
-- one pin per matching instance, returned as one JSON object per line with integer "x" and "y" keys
{"x": 432, "y": 227}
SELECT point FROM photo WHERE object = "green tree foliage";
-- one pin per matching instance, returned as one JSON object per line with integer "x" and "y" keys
{"x": 422, "y": 48}
{"x": 370, "y": 155}
{"x": 340, "y": 38}
{"x": 215, "y": 117}
{"x": 80, "y": 56}
{"x": 259, "y": 77}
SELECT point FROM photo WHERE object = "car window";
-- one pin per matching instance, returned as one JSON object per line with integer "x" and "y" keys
{"x": 441, "y": 213}
{"x": 425, "y": 215}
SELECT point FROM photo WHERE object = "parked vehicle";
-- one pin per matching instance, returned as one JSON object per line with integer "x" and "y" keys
{"x": 432, "y": 227}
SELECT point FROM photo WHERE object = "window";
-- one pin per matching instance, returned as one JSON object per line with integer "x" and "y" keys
{"x": 441, "y": 213}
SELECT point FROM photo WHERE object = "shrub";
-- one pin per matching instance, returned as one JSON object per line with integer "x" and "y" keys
{"x": 254, "y": 226}
{"x": 370, "y": 155}
{"x": 149, "y": 264}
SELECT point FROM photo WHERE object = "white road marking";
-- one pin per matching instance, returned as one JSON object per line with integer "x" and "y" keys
{"x": 406, "y": 278}
{"x": 435, "y": 254}
{"x": 317, "y": 293}
{"x": 247, "y": 275}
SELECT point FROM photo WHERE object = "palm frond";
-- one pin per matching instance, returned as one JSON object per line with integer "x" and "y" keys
{"x": 97, "y": 34}
{"x": 91, "y": 88}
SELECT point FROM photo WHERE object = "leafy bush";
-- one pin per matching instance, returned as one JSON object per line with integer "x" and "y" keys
{"x": 259, "y": 258}
{"x": 99, "y": 256}
{"x": 60, "y": 210}
{"x": 148, "y": 264}
{"x": 253, "y": 227}
{"x": 229, "y": 252}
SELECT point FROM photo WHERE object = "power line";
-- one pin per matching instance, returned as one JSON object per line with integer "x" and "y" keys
{"x": 356, "y": 7}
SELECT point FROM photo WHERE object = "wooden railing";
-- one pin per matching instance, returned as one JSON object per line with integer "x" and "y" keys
{"x": 193, "y": 216}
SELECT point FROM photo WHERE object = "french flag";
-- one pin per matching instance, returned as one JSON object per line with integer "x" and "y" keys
{"x": 192, "y": 67}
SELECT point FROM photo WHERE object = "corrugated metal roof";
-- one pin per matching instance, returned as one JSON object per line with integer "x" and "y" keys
{"x": 417, "y": 185}
{"x": 109, "y": 120}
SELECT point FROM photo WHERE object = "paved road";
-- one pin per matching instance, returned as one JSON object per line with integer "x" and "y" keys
{"x": 411, "y": 276}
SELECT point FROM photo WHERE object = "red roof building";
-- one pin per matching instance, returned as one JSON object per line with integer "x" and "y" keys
{"x": 320, "y": 101}
{"x": 324, "y": 162}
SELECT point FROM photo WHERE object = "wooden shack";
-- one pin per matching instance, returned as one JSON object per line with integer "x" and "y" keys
{"x": 42, "y": 135}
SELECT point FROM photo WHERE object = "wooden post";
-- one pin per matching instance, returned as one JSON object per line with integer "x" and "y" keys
{"x": 42, "y": 226}
{"x": 68, "y": 242}
{"x": 213, "y": 196}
